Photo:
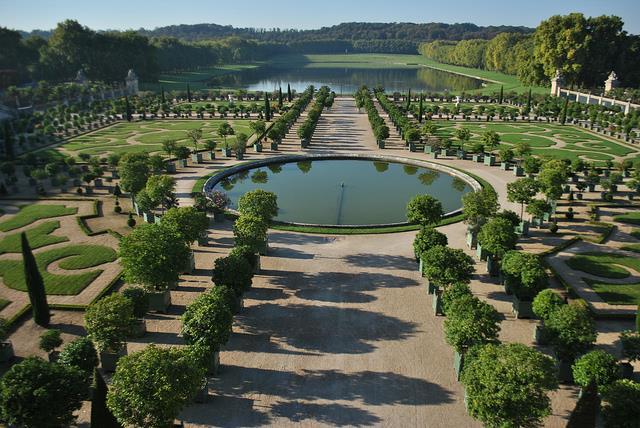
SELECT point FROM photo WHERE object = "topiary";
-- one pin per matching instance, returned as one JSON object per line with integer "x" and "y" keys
{"x": 596, "y": 368}
{"x": 117, "y": 209}
{"x": 545, "y": 303}
{"x": 246, "y": 252}
{"x": 108, "y": 321}
{"x": 572, "y": 330}
{"x": 453, "y": 292}
{"x": 234, "y": 272}
{"x": 621, "y": 405}
{"x": 81, "y": 354}
{"x": 427, "y": 238}
{"x": 207, "y": 321}
{"x": 445, "y": 266}
{"x": 131, "y": 222}
{"x": 259, "y": 203}
{"x": 140, "y": 299}
{"x": 424, "y": 210}
{"x": 470, "y": 322}
{"x": 250, "y": 230}
{"x": 50, "y": 340}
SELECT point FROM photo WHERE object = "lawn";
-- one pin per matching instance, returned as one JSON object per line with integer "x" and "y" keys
{"x": 605, "y": 265}
{"x": 39, "y": 236}
{"x": 632, "y": 247}
{"x": 31, "y": 213}
{"x": 4, "y": 303}
{"x": 631, "y": 218}
{"x": 148, "y": 136}
{"x": 616, "y": 294}
{"x": 635, "y": 233}
{"x": 71, "y": 257}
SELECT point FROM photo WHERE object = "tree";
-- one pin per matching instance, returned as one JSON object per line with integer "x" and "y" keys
{"x": 501, "y": 97}
{"x": 621, "y": 407}
{"x": 160, "y": 189}
{"x": 150, "y": 387}
{"x": 207, "y": 321}
{"x": 224, "y": 130}
{"x": 289, "y": 95}
{"x": 81, "y": 354}
{"x": 108, "y": 322}
{"x": 552, "y": 177}
{"x": 470, "y": 322}
{"x": 463, "y": 135}
{"x": 479, "y": 205}
{"x": 545, "y": 303}
{"x": 182, "y": 152}
{"x": 507, "y": 385}
{"x": 153, "y": 255}
{"x": 596, "y": 368}
{"x": 421, "y": 108}
{"x": 101, "y": 416}
{"x": 195, "y": 135}
{"x": 426, "y": 238}
{"x": 259, "y": 203}
{"x": 50, "y": 340}
{"x": 497, "y": 236}
{"x": 134, "y": 172}
{"x": 522, "y": 191}
{"x": 36, "y": 393}
{"x": 490, "y": 139}
{"x": 140, "y": 299}
{"x": 35, "y": 285}
{"x": 280, "y": 101}
{"x": 424, "y": 210}
{"x": 258, "y": 127}
{"x": 572, "y": 331}
{"x": 8, "y": 140}
{"x": 537, "y": 208}
{"x": 188, "y": 222}
{"x": 234, "y": 272}
{"x": 445, "y": 266}
{"x": 250, "y": 230}
{"x": 267, "y": 108}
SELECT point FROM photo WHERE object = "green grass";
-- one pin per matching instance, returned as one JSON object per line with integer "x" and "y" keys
{"x": 31, "y": 213}
{"x": 39, "y": 236}
{"x": 72, "y": 257}
{"x": 148, "y": 136}
{"x": 631, "y": 218}
{"x": 635, "y": 233}
{"x": 616, "y": 294}
{"x": 4, "y": 303}
{"x": 605, "y": 265}
{"x": 632, "y": 247}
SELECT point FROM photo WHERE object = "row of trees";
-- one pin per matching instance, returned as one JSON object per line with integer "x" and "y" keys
{"x": 283, "y": 124}
{"x": 584, "y": 49}
{"x": 324, "y": 98}
{"x": 380, "y": 129}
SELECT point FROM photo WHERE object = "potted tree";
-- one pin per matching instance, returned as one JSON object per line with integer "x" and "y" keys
{"x": 543, "y": 305}
{"x": 305, "y": 132}
{"x": 210, "y": 145}
{"x": 49, "y": 341}
{"x": 206, "y": 324}
{"x": 594, "y": 371}
{"x": 522, "y": 191}
{"x": 495, "y": 238}
{"x": 108, "y": 323}
{"x": 258, "y": 127}
{"x": 153, "y": 255}
{"x": 470, "y": 322}
{"x": 195, "y": 135}
{"x": 6, "y": 347}
{"x": 151, "y": 387}
{"x": 506, "y": 156}
{"x": 427, "y": 238}
{"x": 241, "y": 145}
{"x": 490, "y": 140}
{"x": 251, "y": 230}
{"x": 236, "y": 273}
{"x": 424, "y": 210}
{"x": 140, "y": 300}
{"x": 82, "y": 354}
{"x": 190, "y": 224}
{"x": 538, "y": 208}
{"x": 444, "y": 266}
{"x": 261, "y": 204}
{"x": 508, "y": 385}
{"x": 526, "y": 277}
{"x": 224, "y": 130}
{"x": 182, "y": 153}
{"x": 571, "y": 333}
{"x": 630, "y": 351}
{"x": 249, "y": 253}
{"x": 381, "y": 132}
{"x": 477, "y": 208}
{"x": 412, "y": 136}
{"x": 275, "y": 134}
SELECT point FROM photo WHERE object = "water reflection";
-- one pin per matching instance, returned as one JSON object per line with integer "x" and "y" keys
{"x": 381, "y": 166}
{"x": 410, "y": 169}
{"x": 260, "y": 177}
{"x": 304, "y": 166}
{"x": 427, "y": 178}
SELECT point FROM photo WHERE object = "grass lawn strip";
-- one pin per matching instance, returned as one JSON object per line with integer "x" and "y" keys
{"x": 616, "y": 294}
{"x": 31, "y": 213}
{"x": 630, "y": 218}
{"x": 39, "y": 236}
{"x": 75, "y": 257}
{"x": 605, "y": 265}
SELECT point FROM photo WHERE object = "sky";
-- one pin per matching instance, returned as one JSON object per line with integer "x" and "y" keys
{"x": 303, "y": 14}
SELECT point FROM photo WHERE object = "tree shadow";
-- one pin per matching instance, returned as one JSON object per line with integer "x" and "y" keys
{"x": 382, "y": 261}
{"x": 289, "y": 253}
{"x": 225, "y": 411}
{"x": 332, "y": 414}
{"x": 325, "y": 329}
{"x": 259, "y": 343}
{"x": 298, "y": 239}
{"x": 267, "y": 294}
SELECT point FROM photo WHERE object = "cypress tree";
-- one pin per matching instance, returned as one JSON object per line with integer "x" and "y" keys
{"x": 163, "y": 98}
{"x": 101, "y": 416}
{"x": 638, "y": 320}
{"x": 529, "y": 101}
{"x": 35, "y": 285}
{"x": 563, "y": 114}
{"x": 280, "y": 97}
{"x": 188, "y": 93}
{"x": 420, "y": 110}
{"x": 289, "y": 96}
{"x": 8, "y": 141}
{"x": 408, "y": 100}
{"x": 127, "y": 108}
{"x": 501, "y": 95}
{"x": 267, "y": 108}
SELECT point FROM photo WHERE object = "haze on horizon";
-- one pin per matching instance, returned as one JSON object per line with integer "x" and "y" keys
{"x": 286, "y": 14}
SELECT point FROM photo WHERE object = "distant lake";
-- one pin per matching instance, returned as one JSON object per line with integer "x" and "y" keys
{"x": 345, "y": 79}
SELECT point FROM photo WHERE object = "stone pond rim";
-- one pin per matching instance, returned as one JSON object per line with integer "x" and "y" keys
{"x": 456, "y": 173}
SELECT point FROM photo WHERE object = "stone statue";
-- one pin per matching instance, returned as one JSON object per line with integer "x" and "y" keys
{"x": 131, "y": 82}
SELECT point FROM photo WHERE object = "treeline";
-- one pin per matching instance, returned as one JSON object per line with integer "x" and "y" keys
{"x": 107, "y": 56}
{"x": 345, "y": 31}
{"x": 585, "y": 50}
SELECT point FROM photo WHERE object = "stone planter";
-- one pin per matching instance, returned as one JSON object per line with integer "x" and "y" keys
{"x": 203, "y": 393}
{"x": 264, "y": 248}
{"x": 539, "y": 335}
{"x": 196, "y": 158}
{"x": 522, "y": 228}
{"x": 433, "y": 155}
{"x": 97, "y": 182}
{"x": 157, "y": 219}
{"x": 182, "y": 163}
{"x": 191, "y": 264}
{"x": 489, "y": 160}
{"x": 412, "y": 146}
{"x": 257, "y": 147}
{"x": 139, "y": 328}
{"x": 591, "y": 187}
{"x": 477, "y": 158}
{"x": 420, "y": 266}
{"x": 239, "y": 155}
{"x": 461, "y": 154}
{"x": 274, "y": 146}
{"x": 226, "y": 151}
{"x": 521, "y": 308}
{"x": 304, "y": 143}
{"x": 148, "y": 217}
{"x": 159, "y": 301}
{"x": 428, "y": 148}
{"x": 436, "y": 302}
{"x": 381, "y": 144}
{"x": 493, "y": 266}
{"x": 171, "y": 167}
{"x": 109, "y": 360}
{"x": 444, "y": 152}
{"x": 472, "y": 239}
{"x": 210, "y": 155}
{"x": 6, "y": 351}
{"x": 480, "y": 253}
{"x": 458, "y": 364}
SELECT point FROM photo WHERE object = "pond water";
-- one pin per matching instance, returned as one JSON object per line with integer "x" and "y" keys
{"x": 346, "y": 80}
{"x": 346, "y": 191}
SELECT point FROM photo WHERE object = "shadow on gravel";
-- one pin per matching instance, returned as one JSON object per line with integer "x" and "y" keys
{"x": 382, "y": 261}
